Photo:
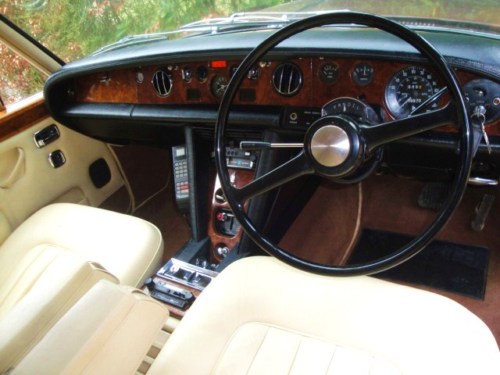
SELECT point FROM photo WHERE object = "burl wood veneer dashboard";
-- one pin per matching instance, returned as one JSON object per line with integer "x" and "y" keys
{"x": 391, "y": 87}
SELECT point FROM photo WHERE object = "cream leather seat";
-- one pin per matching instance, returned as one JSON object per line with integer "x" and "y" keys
{"x": 262, "y": 317}
{"x": 55, "y": 257}
{"x": 108, "y": 331}
{"x": 128, "y": 247}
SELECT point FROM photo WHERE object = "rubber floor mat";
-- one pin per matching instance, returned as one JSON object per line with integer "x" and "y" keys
{"x": 443, "y": 265}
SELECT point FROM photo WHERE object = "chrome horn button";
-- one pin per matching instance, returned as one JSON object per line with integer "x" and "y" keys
{"x": 330, "y": 146}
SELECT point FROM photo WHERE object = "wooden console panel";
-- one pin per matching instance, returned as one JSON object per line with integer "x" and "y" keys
{"x": 239, "y": 178}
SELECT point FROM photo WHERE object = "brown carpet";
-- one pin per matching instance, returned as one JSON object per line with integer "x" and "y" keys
{"x": 325, "y": 230}
{"x": 390, "y": 203}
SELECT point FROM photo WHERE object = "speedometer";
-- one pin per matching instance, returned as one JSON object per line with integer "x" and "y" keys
{"x": 409, "y": 88}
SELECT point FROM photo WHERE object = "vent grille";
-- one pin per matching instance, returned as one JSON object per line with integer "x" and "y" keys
{"x": 287, "y": 79}
{"x": 162, "y": 82}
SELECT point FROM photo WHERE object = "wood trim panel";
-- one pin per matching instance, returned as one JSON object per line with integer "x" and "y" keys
{"x": 240, "y": 178}
{"x": 22, "y": 116}
{"x": 135, "y": 85}
{"x": 122, "y": 86}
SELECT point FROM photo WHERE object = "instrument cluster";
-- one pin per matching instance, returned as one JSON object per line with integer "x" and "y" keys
{"x": 393, "y": 89}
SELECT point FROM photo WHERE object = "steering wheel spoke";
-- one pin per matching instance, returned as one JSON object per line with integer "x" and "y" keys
{"x": 378, "y": 135}
{"x": 292, "y": 169}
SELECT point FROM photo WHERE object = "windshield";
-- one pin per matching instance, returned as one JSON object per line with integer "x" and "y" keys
{"x": 75, "y": 28}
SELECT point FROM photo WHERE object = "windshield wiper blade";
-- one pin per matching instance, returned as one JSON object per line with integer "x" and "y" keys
{"x": 235, "y": 22}
{"x": 130, "y": 40}
{"x": 252, "y": 18}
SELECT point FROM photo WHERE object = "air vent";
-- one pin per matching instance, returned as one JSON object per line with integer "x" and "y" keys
{"x": 287, "y": 79}
{"x": 162, "y": 82}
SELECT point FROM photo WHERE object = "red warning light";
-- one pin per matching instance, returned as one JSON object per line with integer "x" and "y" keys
{"x": 218, "y": 64}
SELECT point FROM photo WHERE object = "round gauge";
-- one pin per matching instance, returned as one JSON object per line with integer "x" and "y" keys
{"x": 218, "y": 85}
{"x": 409, "y": 88}
{"x": 328, "y": 73}
{"x": 202, "y": 73}
{"x": 362, "y": 74}
{"x": 187, "y": 74}
{"x": 351, "y": 107}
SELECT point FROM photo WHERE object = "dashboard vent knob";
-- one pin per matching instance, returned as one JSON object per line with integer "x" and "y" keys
{"x": 287, "y": 79}
{"x": 162, "y": 82}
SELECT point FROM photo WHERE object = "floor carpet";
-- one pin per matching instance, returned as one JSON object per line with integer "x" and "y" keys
{"x": 449, "y": 266}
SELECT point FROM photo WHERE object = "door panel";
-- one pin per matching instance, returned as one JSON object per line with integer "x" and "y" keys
{"x": 28, "y": 181}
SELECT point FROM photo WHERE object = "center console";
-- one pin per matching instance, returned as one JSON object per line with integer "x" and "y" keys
{"x": 178, "y": 283}
{"x": 215, "y": 230}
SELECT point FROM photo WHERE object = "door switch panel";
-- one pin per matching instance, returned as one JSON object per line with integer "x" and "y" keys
{"x": 57, "y": 159}
{"x": 46, "y": 136}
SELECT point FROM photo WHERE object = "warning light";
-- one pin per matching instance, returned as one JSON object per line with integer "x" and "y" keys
{"x": 221, "y": 216}
{"x": 218, "y": 64}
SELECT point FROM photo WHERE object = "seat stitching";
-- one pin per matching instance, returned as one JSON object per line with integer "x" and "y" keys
{"x": 270, "y": 326}
{"x": 296, "y": 354}
{"x": 258, "y": 350}
{"x": 64, "y": 306}
{"x": 370, "y": 367}
{"x": 331, "y": 359}
{"x": 218, "y": 361}
{"x": 289, "y": 330}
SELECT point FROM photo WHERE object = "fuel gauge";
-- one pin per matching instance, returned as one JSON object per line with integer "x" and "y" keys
{"x": 363, "y": 74}
{"x": 329, "y": 73}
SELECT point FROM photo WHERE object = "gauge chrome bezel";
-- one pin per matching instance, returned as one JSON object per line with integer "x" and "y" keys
{"x": 333, "y": 67}
{"x": 393, "y": 90}
{"x": 355, "y": 75}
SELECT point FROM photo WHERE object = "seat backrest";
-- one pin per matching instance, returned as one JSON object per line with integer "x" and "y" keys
{"x": 35, "y": 293}
{"x": 109, "y": 331}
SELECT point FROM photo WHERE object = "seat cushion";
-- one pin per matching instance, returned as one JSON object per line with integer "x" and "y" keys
{"x": 128, "y": 247}
{"x": 257, "y": 348}
{"x": 261, "y": 316}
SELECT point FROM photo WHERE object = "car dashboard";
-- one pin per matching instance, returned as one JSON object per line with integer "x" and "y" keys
{"x": 148, "y": 91}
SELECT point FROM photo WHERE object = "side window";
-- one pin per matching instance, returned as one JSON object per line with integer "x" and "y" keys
{"x": 18, "y": 78}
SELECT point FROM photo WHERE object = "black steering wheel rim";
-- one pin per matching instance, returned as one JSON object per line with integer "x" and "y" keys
{"x": 465, "y": 143}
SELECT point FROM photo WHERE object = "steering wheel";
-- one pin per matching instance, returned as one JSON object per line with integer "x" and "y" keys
{"x": 336, "y": 146}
